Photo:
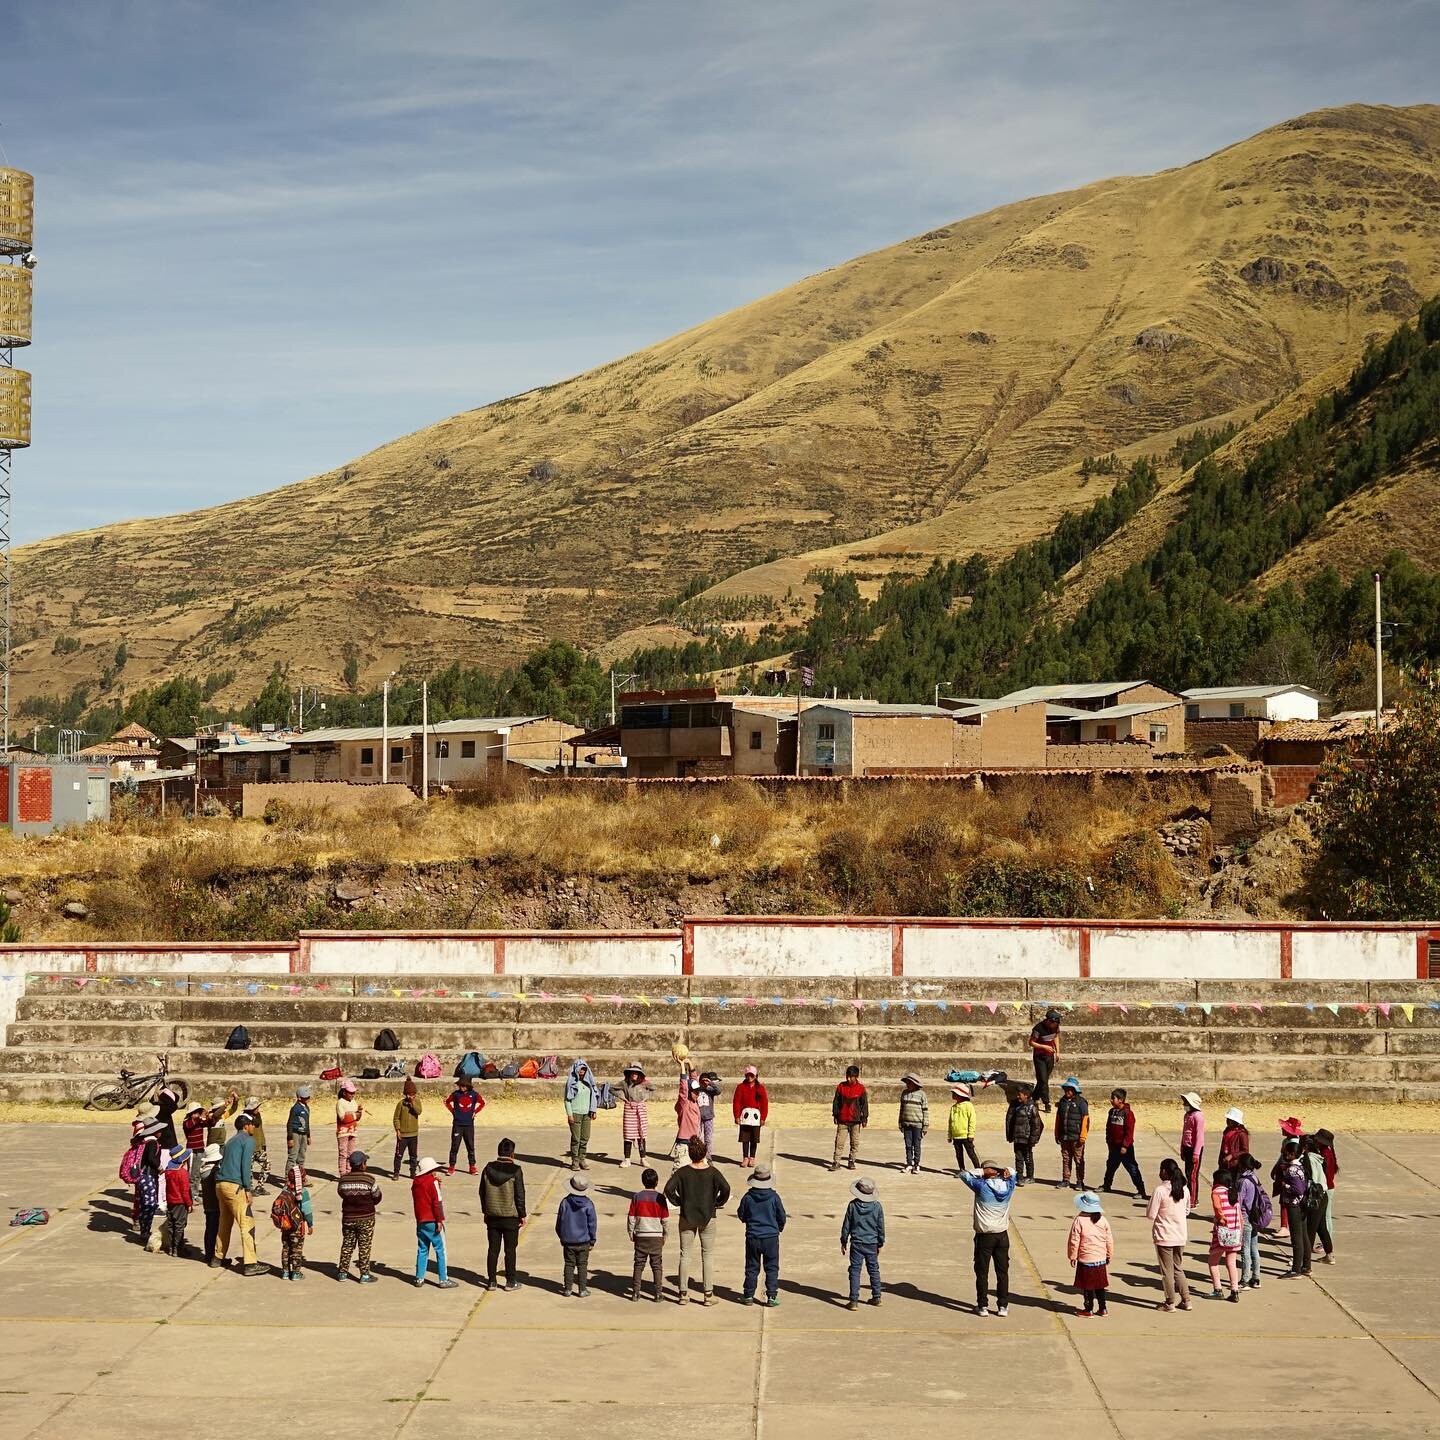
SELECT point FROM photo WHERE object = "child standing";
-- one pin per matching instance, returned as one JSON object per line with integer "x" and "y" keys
{"x": 179, "y": 1200}
{"x": 406, "y": 1124}
{"x": 635, "y": 1093}
{"x": 294, "y": 1217}
{"x": 1023, "y": 1129}
{"x": 210, "y": 1197}
{"x": 1120, "y": 1144}
{"x": 862, "y": 1231}
{"x": 647, "y": 1224}
{"x": 581, "y": 1103}
{"x": 1091, "y": 1248}
{"x": 194, "y": 1126}
{"x": 850, "y": 1109}
{"x": 914, "y": 1119}
{"x": 763, "y": 1216}
{"x": 687, "y": 1111}
{"x": 348, "y": 1111}
{"x": 576, "y": 1226}
{"x": 751, "y": 1108}
{"x": 1227, "y": 1233}
{"x": 429, "y": 1207}
{"x": 1072, "y": 1129}
{"x": 359, "y": 1199}
{"x": 1167, "y": 1212}
{"x": 705, "y": 1098}
{"x": 962, "y": 1127}
{"x": 1192, "y": 1141}
{"x": 464, "y": 1103}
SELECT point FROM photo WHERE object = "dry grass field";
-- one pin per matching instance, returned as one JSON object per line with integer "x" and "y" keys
{"x": 934, "y": 398}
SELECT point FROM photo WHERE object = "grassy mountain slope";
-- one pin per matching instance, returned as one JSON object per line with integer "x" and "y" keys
{"x": 930, "y": 399}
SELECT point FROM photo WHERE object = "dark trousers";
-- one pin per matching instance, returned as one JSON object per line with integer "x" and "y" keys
{"x": 913, "y": 1136}
{"x": 1123, "y": 1156}
{"x": 762, "y": 1250}
{"x": 1024, "y": 1162}
{"x": 1300, "y": 1237}
{"x": 992, "y": 1249}
{"x": 965, "y": 1148}
{"x": 649, "y": 1250}
{"x": 212, "y": 1230}
{"x": 1320, "y": 1227}
{"x": 577, "y": 1266}
{"x": 409, "y": 1146}
{"x": 1190, "y": 1164}
{"x": 868, "y": 1257}
{"x": 749, "y": 1141}
{"x": 1096, "y": 1299}
{"x": 506, "y": 1232}
{"x": 175, "y": 1218}
{"x": 1044, "y": 1064}
{"x": 467, "y": 1134}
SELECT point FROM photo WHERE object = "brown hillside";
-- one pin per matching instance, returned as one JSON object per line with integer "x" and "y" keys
{"x": 932, "y": 398}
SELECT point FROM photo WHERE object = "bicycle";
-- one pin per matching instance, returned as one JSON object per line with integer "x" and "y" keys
{"x": 131, "y": 1089}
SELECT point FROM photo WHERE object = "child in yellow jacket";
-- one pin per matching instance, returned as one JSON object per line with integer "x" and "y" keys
{"x": 962, "y": 1127}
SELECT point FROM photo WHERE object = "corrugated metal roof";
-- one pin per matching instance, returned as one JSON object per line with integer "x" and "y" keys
{"x": 486, "y": 726}
{"x": 986, "y": 707}
{"x": 338, "y": 733}
{"x": 872, "y": 707}
{"x": 1071, "y": 692}
{"x": 1247, "y": 692}
{"x": 1120, "y": 712}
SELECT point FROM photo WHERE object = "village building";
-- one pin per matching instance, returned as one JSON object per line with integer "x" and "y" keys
{"x": 467, "y": 751}
{"x": 353, "y": 754}
{"x": 1107, "y": 724}
{"x": 1239, "y": 717}
{"x": 129, "y": 750}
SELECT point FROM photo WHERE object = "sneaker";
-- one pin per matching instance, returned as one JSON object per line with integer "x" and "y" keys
{"x": 217, "y": 1264}
{"x": 852, "y": 1304}
{"x": 297, "y": 1274}
{"x": 512, "y": 1287}
{"x": 833, "y": 1166}
{"x": 1235, "y": 1296}
{"x": 851, "y": 1164}
{"x": 1217, "y": 1294}
{"x": 747, "y": 1299}
{"x": 367, "y": 1279}
{"x": 343, "y": 1276}
{"x": 625, "y": 1163}
{"x": 773, "y": 1301}
{"x": 473, "y": 1170}
{"x": 449, "y": 1169}
{"x": 1003, "y": 1313}
{"x": 419, "y": 1281}
{"x": 710, "y": 1299}
{"x": 1102, "y": 1314}
{"x": 259, "y": 1268}
{"x": 874, "y": 1299}
{"x": 684, "y": 1298}
{"x": 447, "y": 1284}
{"x": 983, "y": 1311}
{"x": 566, "y": 1293}
{"x": 1327, "y": 1259}
{"x": 1081, "y": 1313}
{"x": 584, "y": 1294}
{"x": 1167, "y": 1306}
{"x": 1255, "y": 1283}
{"x": 284, "y": 1274}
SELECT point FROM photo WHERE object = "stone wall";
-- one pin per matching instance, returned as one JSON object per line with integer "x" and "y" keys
{"x": 1242, "y": 736}
{"x": 1100, "y": 755}
{"x": 333, "y": 794}
{"x": 1235, "y": 797}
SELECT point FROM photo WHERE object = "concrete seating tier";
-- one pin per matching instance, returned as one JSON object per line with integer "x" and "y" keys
{"x": 1250, "y": 1045}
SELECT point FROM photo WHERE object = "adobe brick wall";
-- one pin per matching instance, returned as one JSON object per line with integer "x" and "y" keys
{"x": 1234, "y": 801}
{"x": 1242, "y": 736}
{"x": 1100, "y": 755}
{"x": 1014, "y": 737}
{"x": 333, "y": 793}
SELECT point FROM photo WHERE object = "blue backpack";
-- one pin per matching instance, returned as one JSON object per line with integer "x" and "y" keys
{"x": 472, "y": 1065}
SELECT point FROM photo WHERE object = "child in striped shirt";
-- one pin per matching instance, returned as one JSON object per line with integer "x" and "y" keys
{"x": 648, "y": 1223}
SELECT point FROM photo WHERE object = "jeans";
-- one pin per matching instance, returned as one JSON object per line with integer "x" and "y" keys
{"x": 577, "y": 1266}
{"x": 1249, "y": 1252}
{"x": 235, "y": 1214}
{"x": 992, "y": 1248}
{"x": 649, "y": 1250}
{"x": 762, "y": 1249}
{"x": 688, "y": 1240}
{"x": 501, "y": 1231}
{"x": 175, "y": 1219}
{"x": 579, "y": 1139}
{"x": 1172, "y": 1273}
{"x": 212, "y": 1227}
{"x": 1320, "y": 1226}
{"x": 1024, "y": 1162}
{"x": 458, "y": 1134}
{"x": 869, "y": 1257}
{"x": 1124, "y": 1156}
{"x": 1044, "y": 1064}
{"x": 1300, "y": 1239}
{"x": 913, "y": 1136}
{"x": 429, "y": 1236}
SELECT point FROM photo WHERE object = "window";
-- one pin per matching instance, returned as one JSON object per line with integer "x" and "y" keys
{"x": 1104, "y": 732}
{"x": 442, "y": 749}
{"x": 397, "y": 754}
{"x": 1237, "y": 709}
{"x": 467, "y": 749}
{"x": 754, "y": 739}
{"x": 284, "y": 764}
{"x": 1192, "y": 712}
{"x": 367, "y": 754}
{"x": 826, "y": 732}
{"x": 1159, "y": 734}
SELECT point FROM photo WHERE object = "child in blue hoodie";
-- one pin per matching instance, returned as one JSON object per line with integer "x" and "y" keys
{"x": 863, "y": 1232}
{"x": 764, "y": 1218}
{"x": 575, "y": 1224}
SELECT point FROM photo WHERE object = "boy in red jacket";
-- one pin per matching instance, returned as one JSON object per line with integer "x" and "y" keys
{"x": 850, "y": 1110}
{"x": 179, "y": 1199}
{"x": 1120, "y": 1143}
{"x": 429, "y": 1222}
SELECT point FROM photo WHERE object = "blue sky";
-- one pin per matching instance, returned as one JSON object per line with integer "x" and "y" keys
{"x": 273, "y": 236}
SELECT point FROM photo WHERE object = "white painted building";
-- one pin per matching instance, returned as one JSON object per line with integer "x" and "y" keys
{"x": 1252, "y": 702}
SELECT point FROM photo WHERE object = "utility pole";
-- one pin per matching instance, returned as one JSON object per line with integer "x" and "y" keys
{"x": 1379, "y": 669}
{"x": 424, "y": 740}
{"x": 385, "y": 730}
{"x": 624, "y": 680}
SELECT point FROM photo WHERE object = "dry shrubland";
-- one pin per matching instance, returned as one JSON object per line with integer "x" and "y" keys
{"x": 1033, "y": 846}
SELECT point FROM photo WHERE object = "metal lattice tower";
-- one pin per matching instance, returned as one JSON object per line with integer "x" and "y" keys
{"x": 17, "y": 233}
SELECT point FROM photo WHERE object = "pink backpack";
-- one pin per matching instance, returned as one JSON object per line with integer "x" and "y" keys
{"x": 428, "y": 1068}
{"x": 130, "y": 1164}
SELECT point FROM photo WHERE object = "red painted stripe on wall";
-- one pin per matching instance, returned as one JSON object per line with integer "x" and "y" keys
{"x": 1084, "y": 953}
{"x": 687, "y": 947}
{"x": 499, "y": 956}
{"x": 897, "y": 949}
{"x": 1287, "y": 954}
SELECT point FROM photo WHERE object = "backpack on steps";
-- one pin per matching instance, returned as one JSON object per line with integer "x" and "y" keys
{"x": 386, "y": 1040}
{"x": 490, "y": 1071}
{"x": 511, "y": 1070}
{"x": 549, "y": 1068}
{"x": 529, "y": 1070}
{"x": 238, "y": 1039}
{"x": 427, "y": 1067}
{"x": 472, "y": 1064}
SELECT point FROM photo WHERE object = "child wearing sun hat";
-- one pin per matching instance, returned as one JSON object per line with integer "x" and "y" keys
{"x": 862, "y": 1233}
{"x": 1090, "y": 1247}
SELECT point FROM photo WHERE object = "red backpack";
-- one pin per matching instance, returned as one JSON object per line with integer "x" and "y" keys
{"x": 285, "y": 1211}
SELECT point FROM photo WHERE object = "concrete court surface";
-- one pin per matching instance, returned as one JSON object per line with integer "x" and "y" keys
{"x": 98, "y": 1339}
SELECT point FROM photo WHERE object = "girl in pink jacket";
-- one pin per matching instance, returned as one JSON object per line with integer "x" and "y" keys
{"x": 1091, "y": 1247}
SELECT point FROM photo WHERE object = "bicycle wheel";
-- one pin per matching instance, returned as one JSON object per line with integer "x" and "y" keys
{"x": 181, "y": 1089}
{"x": 108, "y": 1096}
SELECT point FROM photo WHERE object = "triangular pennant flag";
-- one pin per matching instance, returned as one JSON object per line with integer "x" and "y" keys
{"x": 992, "y": 1006}
{"x": 1092, "y": 1007}
{"x": 942, "y": 1006}
{"x": 799, "y": 1000}
{"x": 1310, "y": 1005}
{"x": 910, "y": 1006}
{"x": 588, "y": 999}
{"x": 1363, "y": 1007}
{"x": 644, "y": 1000}
{"x": 1333, "y": 1008}
{"x": 722, "y": 1002}
{"x": 1069, "y": 1005}
{"x": 749, "y": 1000}
{"x": 671, "y": 1000}
{"x": 1409, "y": 1010}
{"x": 1206, "y": 1006}
{"x": 1181, "y": 1006}
{"x": 829, "y": 999}
{"x": 884, "y": 1007}
{"x": 1017, "y": 1005}
{"x": 858, "y": 1004}
{"x": 1146, "y": 1004}
{"x": 1384, "y": 1008}
{"x": 1123, "y": 1009}
{"x": 1256, "y": 1005}
{"x": 966, "y": 1006}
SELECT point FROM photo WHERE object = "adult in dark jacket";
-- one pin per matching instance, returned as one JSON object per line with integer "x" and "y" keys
{"x": 697, "y": 1190}
{"x": 502, "y": 1202}
{"x": 1045, "y": 1052}
{"x": 763, "y": 1215}
{"x": 1072, "y": 1129}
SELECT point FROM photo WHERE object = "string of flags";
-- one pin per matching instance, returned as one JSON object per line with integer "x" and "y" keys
{"x": 909, "y": 1003}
